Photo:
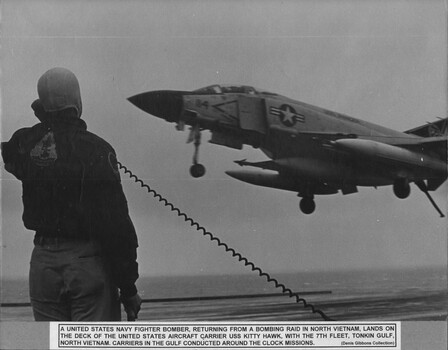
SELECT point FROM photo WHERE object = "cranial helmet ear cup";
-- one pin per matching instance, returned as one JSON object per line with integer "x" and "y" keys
{"x": 58, "y": 89}
{"x": 38, "y": 109}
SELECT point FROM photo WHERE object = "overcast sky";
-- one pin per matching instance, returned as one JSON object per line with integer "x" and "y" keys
{"x": 381, "y": 61}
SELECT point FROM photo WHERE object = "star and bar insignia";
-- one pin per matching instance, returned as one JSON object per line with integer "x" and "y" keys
{"x": 287, "y": 115}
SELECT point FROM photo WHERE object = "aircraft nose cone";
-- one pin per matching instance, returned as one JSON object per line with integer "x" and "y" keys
{"x": 164, "y": 104}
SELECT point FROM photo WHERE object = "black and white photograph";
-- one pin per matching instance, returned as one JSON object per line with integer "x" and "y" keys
{"x": 212, "y": 163}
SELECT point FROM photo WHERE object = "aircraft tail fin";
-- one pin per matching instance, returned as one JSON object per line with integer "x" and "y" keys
{"x": 437, "y": 128}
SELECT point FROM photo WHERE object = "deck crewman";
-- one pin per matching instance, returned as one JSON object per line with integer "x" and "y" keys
{"x": 84, "y": 261}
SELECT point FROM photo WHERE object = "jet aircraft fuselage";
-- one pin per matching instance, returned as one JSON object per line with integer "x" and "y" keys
{"x": 312, "y": 151}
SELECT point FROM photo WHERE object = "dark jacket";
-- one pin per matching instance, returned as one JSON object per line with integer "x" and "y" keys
{"x": 72, "y": 188}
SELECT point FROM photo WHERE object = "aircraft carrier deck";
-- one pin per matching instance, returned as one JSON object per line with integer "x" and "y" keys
{"x": 272, "y": 307}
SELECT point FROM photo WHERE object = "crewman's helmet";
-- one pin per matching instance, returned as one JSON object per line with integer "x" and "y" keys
{"x": 58, "y": 89}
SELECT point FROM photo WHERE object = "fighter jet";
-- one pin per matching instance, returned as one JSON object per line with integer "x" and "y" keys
{"x": 311, "y": 150}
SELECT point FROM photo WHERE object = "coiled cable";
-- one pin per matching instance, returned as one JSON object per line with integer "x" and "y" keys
{"x": 220, "y": 243}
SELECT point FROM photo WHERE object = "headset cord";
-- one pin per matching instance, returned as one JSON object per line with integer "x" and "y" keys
{"x": 234, "y": 253}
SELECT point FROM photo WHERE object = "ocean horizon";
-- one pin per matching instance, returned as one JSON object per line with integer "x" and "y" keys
{"x": 346, "y": 284}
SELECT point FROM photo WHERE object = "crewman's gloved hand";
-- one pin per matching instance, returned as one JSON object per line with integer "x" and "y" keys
{"x": 132, "y": 306}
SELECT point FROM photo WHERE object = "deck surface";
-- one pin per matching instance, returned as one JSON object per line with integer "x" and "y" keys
{"x": 424, "y": 307}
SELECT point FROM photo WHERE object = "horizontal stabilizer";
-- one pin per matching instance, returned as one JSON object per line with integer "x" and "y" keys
{"x": 437, "y": 128}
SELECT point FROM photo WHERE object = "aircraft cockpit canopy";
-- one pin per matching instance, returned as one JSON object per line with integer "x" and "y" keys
{"x": 230, "y": 89}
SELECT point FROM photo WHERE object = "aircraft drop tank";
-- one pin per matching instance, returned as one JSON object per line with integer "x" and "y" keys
{"x": 264, "y": 179}
{"x": 273, "y": 180}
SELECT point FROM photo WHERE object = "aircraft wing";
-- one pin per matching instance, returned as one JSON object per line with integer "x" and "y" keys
{"x": 331, "y": 136}
{"x": 311, "y": 134}
{"x": 436, "y": 145}
{"x": 436, "y": 140}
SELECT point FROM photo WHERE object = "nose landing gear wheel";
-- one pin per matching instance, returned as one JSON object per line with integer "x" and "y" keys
{"x": 197, "y": 170}
{"x": 307, "y": 205}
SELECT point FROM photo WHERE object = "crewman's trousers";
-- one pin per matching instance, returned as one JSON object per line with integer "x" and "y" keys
{"x": 70, "y": 281}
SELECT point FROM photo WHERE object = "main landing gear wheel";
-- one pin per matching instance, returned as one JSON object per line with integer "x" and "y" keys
{"x": 307, "y": 205}
{"x": 402, "y": 188}
{"x": 197, "y": 170}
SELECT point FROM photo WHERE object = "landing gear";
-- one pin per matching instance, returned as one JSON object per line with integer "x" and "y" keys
{"x": 307, "y": 205}
{"x": 196, "y": 170}
{"x": 402, "y": 188}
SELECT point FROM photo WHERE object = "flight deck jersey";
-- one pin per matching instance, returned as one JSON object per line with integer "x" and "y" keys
{"x": 72, "y": 189}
